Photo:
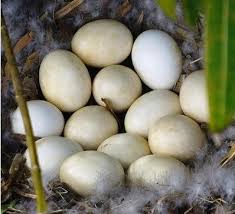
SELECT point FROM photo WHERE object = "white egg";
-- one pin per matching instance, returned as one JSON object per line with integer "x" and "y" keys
{"x": 118, "y": 84}
{"x": 148, "y": 109}
{"x": 64, "y": 80}
{"x": 92, "y": 173}
{"x": 193, "y": 97}
{"x": 154, "y": 172}
{"x": 90, "y": 126}
{"x": 52, "y": 151}
{"x": 157, "y": 59}
{"x": 177, "y": 136}
{"x": 125, "y": 147}
{"x": 46, "y": 119}
{"x": 102, "y": 42}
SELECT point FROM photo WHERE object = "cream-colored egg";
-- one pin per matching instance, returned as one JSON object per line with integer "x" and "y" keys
{"x": 118, "y": 84}
{"x": 125, "y": 147}
{"x": 148, "y": 109}
{"x": 64, "y": 80}
{"x": 92, "y": 173}
{"x": 46, "y": 119}
{"x": 102, "y": 42}
{"x": 193, "y": 97}
{"x": 157, "y": 59}
{"x": 90, "y": 126}
{"x": 177, "y": 136}
{"x": 52, "y": 151}
{"x": 153, "y": 172}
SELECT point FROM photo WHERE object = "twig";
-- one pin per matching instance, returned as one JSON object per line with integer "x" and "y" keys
{"x": 23, "y": 42}
{"x": 124, "y": 8}
{"x": 230, "y": 156}
{"x": 67, "y": 8}
{"x": 140, "y": 18}
{"x": 35, "y": 170}
{"x": 25, "y": 194}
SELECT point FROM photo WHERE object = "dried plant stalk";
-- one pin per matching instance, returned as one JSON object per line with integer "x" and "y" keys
{"x": 23, "y": 42}
{"x": 67, "y": 8}
{"x": 36, "y": 173}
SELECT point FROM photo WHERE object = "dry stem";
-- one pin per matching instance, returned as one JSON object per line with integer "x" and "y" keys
{"x": 36, "y": 173}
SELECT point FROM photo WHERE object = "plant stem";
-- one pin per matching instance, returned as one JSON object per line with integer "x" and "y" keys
{"x": 35, "y": 169}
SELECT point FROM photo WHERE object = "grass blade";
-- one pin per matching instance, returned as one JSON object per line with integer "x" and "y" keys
{"x": 220, "y": 67}
{"x": 168, "y": 7}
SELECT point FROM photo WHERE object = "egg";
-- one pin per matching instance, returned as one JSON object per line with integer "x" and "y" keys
{"x": 102, "y": 42}
{"x": 46, "y": 119}
{"x": 157, "y": 59}
{"x": 92, "y": 173}
{"x": 177, "y": 136}
{"x": 153, "y": 172}
{"x": 125, "y": 147}
{"x": 64, "y": 80}
{"x": 148, "y": 109}
{"x": 193, "y": 97}
{"x": 52, "y": 151}
{"x": 118, "y": 84}
{"x": 90, "y": 126}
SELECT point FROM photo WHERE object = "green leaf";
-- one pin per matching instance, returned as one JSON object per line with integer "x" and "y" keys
{"x": 5, "y": 207}
{"x": 168, "y": 6}
{"x": 191, "y": 10}
{"x": 220, "y": 62}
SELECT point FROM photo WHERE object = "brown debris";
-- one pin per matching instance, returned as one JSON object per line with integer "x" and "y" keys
{"x": 31, "y": 59}
{"x": 140, "y": 18}
{"x": 124, "y": 8}
{"x": 67, "y": 8}
{"x": 23, "y": 42}
{"x": 229, "y": 157}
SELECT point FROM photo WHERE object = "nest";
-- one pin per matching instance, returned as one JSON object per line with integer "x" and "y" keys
{"x": 37, "y": 27}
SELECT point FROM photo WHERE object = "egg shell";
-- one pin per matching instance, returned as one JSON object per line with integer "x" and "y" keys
{"x": 90, "y": 126}
{"x": 92, "y": 173}
{"x": 46, "y": 119}
{"x": 125, "y": 147}
{"x": 154, "y": 172}
{"x": 177, "y": 136}
{"x": 118, "y": 84}
{"x": 52, "y": 151}
{"x": 102, "y": 42}
{"x": 193, "y": 97}
{"x": 148, "y": 109}
{"x": 157, "y": 59}
{"x": 64, "y": 80}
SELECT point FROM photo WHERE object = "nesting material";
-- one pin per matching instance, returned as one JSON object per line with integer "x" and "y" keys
{"x": 125, "y": 147}
{"x": 177, "y": 136}
{"x": 90, "y": 126}
{"x": 52, "y": 151}
{"x": 157, "y": 59}
{"x": 119, "y": 84}
{"x": 64, "y": 80}
{"x": 148, "y": 109}
{"x": 92, "y": 173}
{"x": 102, "y": 42}
{"x": 46, "y": 119}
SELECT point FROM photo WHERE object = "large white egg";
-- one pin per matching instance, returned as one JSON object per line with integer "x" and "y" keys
{"x": 177, "y": 136}
{"x": 92, "y": 173}
{"x": 157, "y": 59}
{"x": 118, "y": 84}
{"x": 90, "y": 126}
{"x": 125, "y": 147}
{"x": 148, "y": 109}
{"x": 52, "y": 151}
{"x": 64, "y": 80}
{"x": 154, "y": 172}
{"x": 46, "y": 119}
{"x": 102, "y": 42}
{"x": 193, "y": 97}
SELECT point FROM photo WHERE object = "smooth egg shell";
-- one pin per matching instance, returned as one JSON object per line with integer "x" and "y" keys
{"x": 46, "y": 119}
{"x": 102, "y": 42}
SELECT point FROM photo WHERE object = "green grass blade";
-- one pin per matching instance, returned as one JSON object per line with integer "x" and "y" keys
{"x": 219, "y": 62}
{"x": 168, "y": 7}
{"x": 191, "y": 10}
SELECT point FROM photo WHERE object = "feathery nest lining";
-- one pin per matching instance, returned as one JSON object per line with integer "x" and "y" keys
{"x": 36, "y": 27}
